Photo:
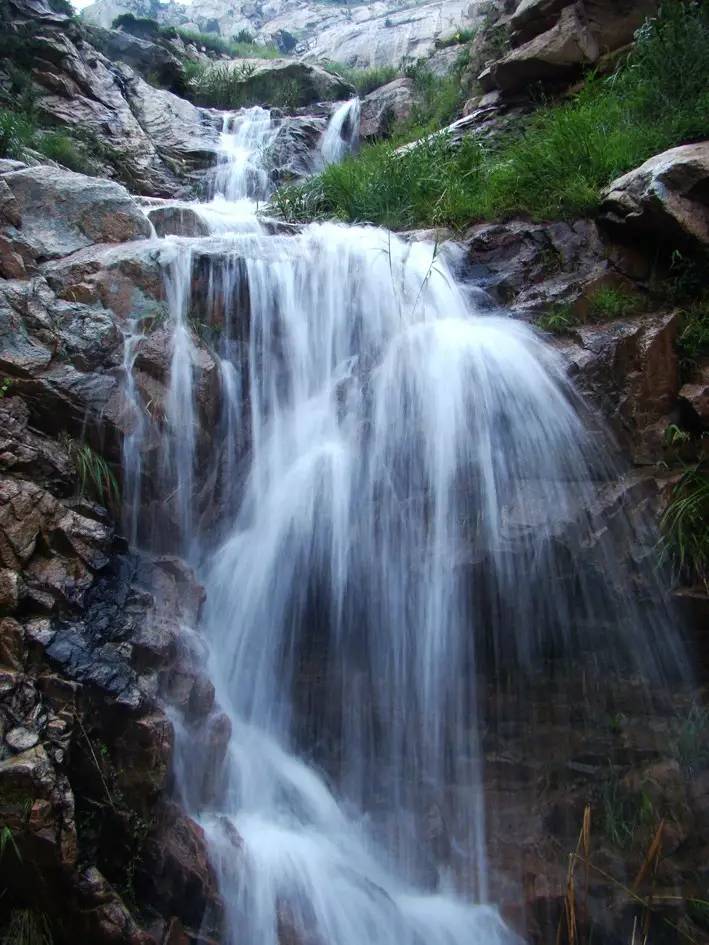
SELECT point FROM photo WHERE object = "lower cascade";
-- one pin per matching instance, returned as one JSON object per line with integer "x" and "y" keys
{"x": 409, "y": 521}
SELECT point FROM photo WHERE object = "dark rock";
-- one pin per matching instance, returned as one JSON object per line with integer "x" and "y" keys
{"x": 385, "y": 106}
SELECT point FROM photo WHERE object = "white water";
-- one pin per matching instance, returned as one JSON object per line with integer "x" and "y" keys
{"x": 411, "y": 468}
{"x": 342, "y": 133}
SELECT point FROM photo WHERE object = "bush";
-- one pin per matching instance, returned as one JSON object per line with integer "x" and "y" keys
{"x": 64, "y": 150}
{"x": 364, "y": 80}
{"x": 17, "y": 132}
{"x": 556, "y": 167}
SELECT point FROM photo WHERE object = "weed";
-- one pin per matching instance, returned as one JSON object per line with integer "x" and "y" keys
{"x": 7, "y": 840}
{"x": 96, "y": 478}
{"x": 692, "y": 739}
{"x": 63, "y": 149}
{"x": 27, "y": 927}
{"x": 685, "y": 526}
{"x": 558, "y": 321}
{"x": 624, "y": 814}
{"x": 608, "y": 302}
{"x": 236, "y": 48}
{"x": 17, "y": 132}
{"x": 364, "y": 80}
{"x": 5, "y": 386}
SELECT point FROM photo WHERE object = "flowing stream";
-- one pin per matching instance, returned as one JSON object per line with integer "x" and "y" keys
{"x": 400, "y": 474}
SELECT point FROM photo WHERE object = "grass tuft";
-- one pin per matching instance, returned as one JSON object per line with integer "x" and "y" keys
{"x": 685, "y": 526}
{"x": 96, "y": 478}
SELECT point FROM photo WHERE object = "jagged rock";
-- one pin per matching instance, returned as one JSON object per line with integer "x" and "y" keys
{"x": 529, "y": 267}
{"x": 576, "y": 36}
{"x": 630, "y": 368}
{"x": 667, "y": 197}
{"x": 104, "y": 917}
{"x": 62, "y": 212}
{"x": 150, "y": 59}
{"x": 178, "y": 873}
{"x": 37, "y": 805}
{"x": 25, "y": 453}
{"x": 384, "y": 106}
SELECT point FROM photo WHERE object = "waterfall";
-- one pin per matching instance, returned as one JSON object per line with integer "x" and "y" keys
{"x": 406, "y": 476}
{"x": 342, "y": 133}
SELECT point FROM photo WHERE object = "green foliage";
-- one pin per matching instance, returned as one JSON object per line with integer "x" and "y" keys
{"x": 96, "y": 478}
{"x": 693, "y": 339}
{"x": 624, "y": 814}
{"x": 691, "y": 742}
{"x": 557, "y": 321}
{"x": 17, "y": 132}
{"x": 7, "y": 841}
{"x": 364, "y": 80}
{"x": 236, "y": 49}
{"x": 458, "y": 38}
{"x": 243, "y": 36}
{"x": 609, "y": 302}
{"x": 557, "y": 165}
{"x": 64, "y": 150}
{"x": 438, "y": 99}
{"x": 685, "y": 526}
{"x": 229, "y": 85}
{"x": 27, "y": 927}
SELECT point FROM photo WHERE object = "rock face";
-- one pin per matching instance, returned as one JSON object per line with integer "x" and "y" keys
{"x": 554, "y": 40}
{"x": 148, "y": 138}
{"x": 92, "y": 642}
{"x": 380, "y": 33}
{"x": 383, "y": 107}
{"x": 667, "y": 198}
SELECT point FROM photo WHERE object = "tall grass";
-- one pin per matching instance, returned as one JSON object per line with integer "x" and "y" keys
{"x": 236, "y": 48}
{"x": 364, "y": 80}
{"x": 685, "y": 526}
{"x": 229, "y": 85}
{"x": 557, "y": 165}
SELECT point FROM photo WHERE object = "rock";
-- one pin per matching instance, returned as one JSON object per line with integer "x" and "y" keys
{"x": 630, "y": 368}
{"x": 560, "y": 38}
{"x": 62, "y": 211}
{"x": 11, "y": 644}
{"x": 150, "y": 59}
{"x": 383, "y": 107}
{"x": 37, "y": 805}
{"x": 21, "y": 739}
{"x": 667, "y": 198}
{"x": 282, "y": 81}
{"x": 696, "y": 394}
{"x": 174, "y": 220}
{"x": 529, "y": 267}
{"x": 28, "y": 454}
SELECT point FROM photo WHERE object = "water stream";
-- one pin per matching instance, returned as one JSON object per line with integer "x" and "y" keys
{"x": 403, "y": 475}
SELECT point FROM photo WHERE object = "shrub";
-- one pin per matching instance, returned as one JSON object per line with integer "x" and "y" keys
{"x": 557, "y": 165}
{"x": 685, "y": 526}
{"x": 63, "y": 149}
{"x": 17, "y": 132}
{"x": 610, "y": 302}
{"x": 364, "y": 80}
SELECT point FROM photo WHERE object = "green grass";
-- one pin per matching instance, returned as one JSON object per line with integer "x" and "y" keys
{"x": 458, "y": 38}
{"x": 223, "y": 85}
{"x": 685, "y": 526}
{"x": 65, "y": 151}
{"x": 17, "y": 132}
{"x": 609, "y": 302}
{"x": 364, "y": 80}
{"x": 96, "y": 478}
{"x": 236, "y": 48}
{"x": 556, "y": 166}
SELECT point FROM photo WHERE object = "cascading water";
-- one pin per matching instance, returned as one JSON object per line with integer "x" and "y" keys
{"x": 402, "y": 476}
{"x": 342, "y": 133}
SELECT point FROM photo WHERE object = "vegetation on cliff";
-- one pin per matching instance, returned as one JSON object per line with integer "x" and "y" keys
{"x": 555, "y": 167}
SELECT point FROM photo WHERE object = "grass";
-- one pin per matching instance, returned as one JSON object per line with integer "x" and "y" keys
{"x": 96, "y": 478}
{"x": 364, "y": 80}
{"x": 685, "y": 526}
{"x": 458, "y": 38}
{"x": 555, "y": 167}
{"x": 691, "y": 742}
{"x": 27, "y": 927}
{"x": 17, "y": 132}
{"x": 609, "y": 302}
{"x": 236, "y": 48}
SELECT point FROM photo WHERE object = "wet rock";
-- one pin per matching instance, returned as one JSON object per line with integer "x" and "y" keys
{"x": 177, "y": 871}
{"x": 28, "y": 454}
{"x": 11, "y": 644}
{"x": 104, "y": 917}
{"x": 385, "y": 106}
{"x": 177, "y": 221}
{"x": 667, "y": 198}
{"x": 62, "y": 212}
{"x": 630, "y": 369}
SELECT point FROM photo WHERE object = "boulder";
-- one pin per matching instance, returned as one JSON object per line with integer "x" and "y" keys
{"x": 666, "y": 198}
{"x": 62, "y": 212}
{"x": 281, "y": 82}
{"x": 383, "y": 107}
{"x": 149, "y": 59}
{"x": 695, "y": 394}
{"x": 177, "y": 220}
{"x": 560, "y": 39}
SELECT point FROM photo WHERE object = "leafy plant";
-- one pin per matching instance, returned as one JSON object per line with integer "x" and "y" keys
{"x": 609, "y": 302}
{"x": 96, "y": 478}
{"x": 685, "y": 526}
